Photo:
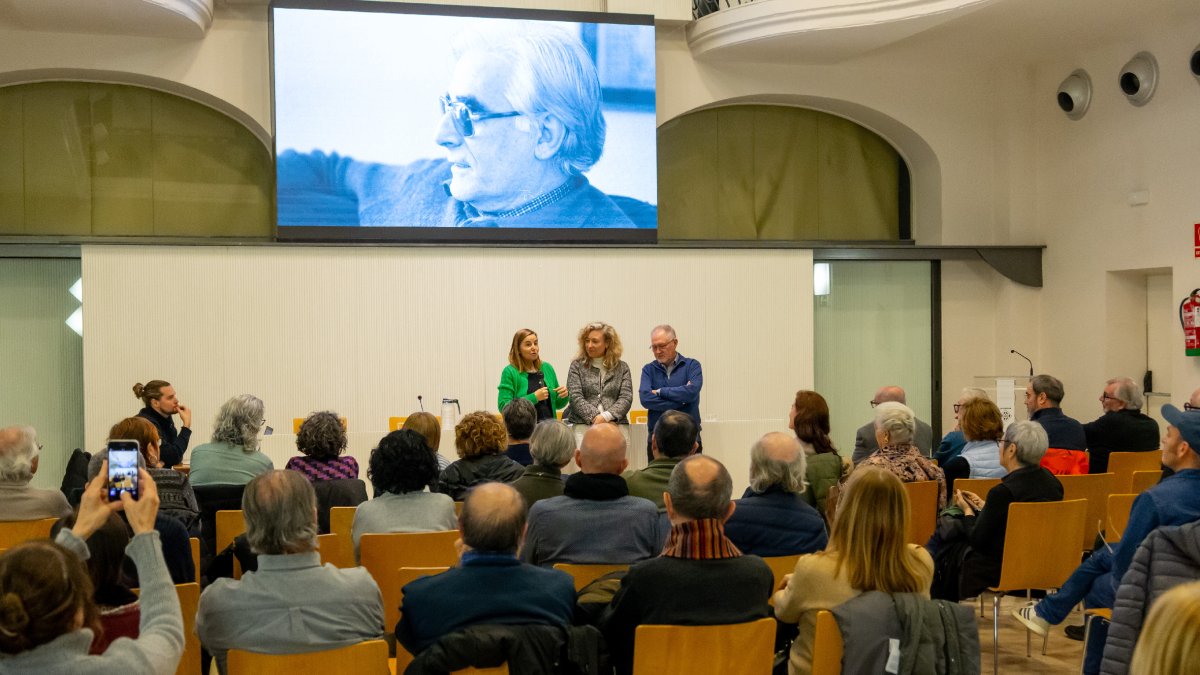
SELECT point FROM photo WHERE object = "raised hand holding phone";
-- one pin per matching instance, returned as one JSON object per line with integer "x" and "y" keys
{"x": 141, "y": 512}
{"x": 94, "y": 508}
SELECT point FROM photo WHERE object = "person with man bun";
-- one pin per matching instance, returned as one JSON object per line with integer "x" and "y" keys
{"x": 161, "y": 403}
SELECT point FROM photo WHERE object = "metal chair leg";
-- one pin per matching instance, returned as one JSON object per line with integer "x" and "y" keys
{"x": 981, "y": 614}
{"x": 1087, "y": 634}
{"x": 996, "y": 634}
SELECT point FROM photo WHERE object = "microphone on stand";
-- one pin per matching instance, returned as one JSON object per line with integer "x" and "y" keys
{"x": 422, "y": 403}
{"x": 1013, "y": 351}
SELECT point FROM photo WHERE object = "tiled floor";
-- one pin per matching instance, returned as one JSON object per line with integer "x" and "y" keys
{"x": 1063, "y": 654}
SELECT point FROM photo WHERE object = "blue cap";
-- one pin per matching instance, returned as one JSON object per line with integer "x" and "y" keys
{"x": 1188, "y": 424}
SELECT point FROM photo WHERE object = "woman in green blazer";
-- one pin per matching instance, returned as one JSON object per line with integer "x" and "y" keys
{"x": 527, "y": 376}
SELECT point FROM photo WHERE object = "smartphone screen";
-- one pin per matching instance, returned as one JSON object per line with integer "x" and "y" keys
{"x": 122, "y": 469}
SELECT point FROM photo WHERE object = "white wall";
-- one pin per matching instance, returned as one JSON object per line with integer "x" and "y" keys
{"x": 363, "y": 331}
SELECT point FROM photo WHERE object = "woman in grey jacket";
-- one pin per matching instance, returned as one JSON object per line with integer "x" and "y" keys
{"x": 599, "y": 384}
{"x": 47, "y": 614}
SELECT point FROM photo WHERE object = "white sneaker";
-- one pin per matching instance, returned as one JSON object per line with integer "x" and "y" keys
{"x": 1026, "y": 615}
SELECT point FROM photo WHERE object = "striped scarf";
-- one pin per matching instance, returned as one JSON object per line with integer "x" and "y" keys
{"x": 700, "y": 540}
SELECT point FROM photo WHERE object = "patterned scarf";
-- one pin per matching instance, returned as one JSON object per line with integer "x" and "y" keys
{"x": 700, "y": 540}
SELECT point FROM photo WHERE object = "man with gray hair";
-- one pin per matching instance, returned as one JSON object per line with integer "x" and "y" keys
{"x": 671, "y": 381}
{"x": 864, "y": 439}
{"x": 521, "y": 124}
{"x": 19, "y": 451}
{"x": 701, "y": 578}
{"x": 595, "y": 520}
{"x": 551, "y": 446}
{"x": 292, "y": 604}
{"x": 771, "y": 517}
{"x": 1043, "y": 396}
{"x": 1122, "y": 428}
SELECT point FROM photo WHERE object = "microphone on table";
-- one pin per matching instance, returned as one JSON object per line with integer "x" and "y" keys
{"x": 1013, "y": 351}
{"x": 422, "y": 403}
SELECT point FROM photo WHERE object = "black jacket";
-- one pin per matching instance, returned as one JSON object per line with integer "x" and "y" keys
{"x": 1119, "y": 431}
{"x": 1066, "y": 433}
{"x": 172, "y": 443}
{"x": 464, "y": 474}
{"x": 528, "y": 650}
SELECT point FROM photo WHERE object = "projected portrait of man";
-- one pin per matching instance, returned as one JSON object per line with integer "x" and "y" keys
{"x": 521, "y": 124}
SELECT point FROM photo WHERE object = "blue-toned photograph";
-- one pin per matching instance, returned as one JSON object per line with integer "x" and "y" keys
{"x": 429, "y": 121}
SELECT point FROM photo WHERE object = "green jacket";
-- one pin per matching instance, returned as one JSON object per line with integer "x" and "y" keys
{"x": 514, "y": 384}
{"x": 823, "y": 472}
{"x": 651, "y": 482}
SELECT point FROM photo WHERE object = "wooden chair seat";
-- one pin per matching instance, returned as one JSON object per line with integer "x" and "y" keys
{"x": 731, "y": 649}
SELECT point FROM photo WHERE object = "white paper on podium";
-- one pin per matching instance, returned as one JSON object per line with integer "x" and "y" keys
{"x": 1005, "y": 388}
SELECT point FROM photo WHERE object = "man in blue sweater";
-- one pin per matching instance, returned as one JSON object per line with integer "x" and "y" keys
{"x": 1174, "y": 501}
{"x": 670, "y": 382}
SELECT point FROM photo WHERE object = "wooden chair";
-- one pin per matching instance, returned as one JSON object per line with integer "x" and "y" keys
{"x": 827, "y": 645}
{"x": 189, "y": 602}
{"x": 1041, "y": 549}
{"x": 501, "y": 669}
{"x": 922, "y": 515}
{"x": 1119, "y": 506}
{"x": 185, "y": 469}
{"x": 1144, "y": 480}
{"x": 297, "y": 421}
{"x": 458, "y": 507}
{"x": 586, "y": 574}
{"x": 13, "y": 532}
{"x": 730, "y": 649}
{"x": 383, "y": 554}
{"x": 781, "y": 565}
{"x": 341, "y": 525}
{"x": 365, "y": 658}
{"x": 229, "y": 525}
{"x": 1123, "y": 464}
{"x": 1095, "y": 488}
{"x": 639, "y": 416}
{"x": 403, "y": 577}
{"x": 397, "y": 423}
{"x": 831, "y": 503}
{"x": 980, "y": 486}
{"x": 331, "y": 552}
{"x": 194, "y": 542}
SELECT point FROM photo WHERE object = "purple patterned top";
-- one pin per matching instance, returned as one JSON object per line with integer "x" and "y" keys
{"x": 324, "y": 469}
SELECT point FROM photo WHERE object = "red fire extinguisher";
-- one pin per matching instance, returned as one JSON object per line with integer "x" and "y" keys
{"x": 1189, "y": 318}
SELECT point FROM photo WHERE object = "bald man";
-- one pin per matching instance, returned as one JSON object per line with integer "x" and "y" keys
{"x": 772, "y": 518}
{"x": 864, "y": 440}
{"x": 595, "y": 520}
{"x": 499, "y": 587}
{"x": 700, "y": 578}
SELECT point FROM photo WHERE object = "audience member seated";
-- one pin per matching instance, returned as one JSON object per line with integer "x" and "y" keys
{"x": 161, "y": 403}
{"x": 399, "y": 469}
{"x": 895, "y": 425}
{"x": 982, "y": 426}
{"x": 489, "y": 585}
{"x": 480, "y": 439}
{"x": 772, "y": 517}
{"x": 292, "y": 604}
{"x": 552, "y": 446}
{"x": 595, "y": 520}
{"x": 701, "y": 578}
{"x": 866, "y": 552}
{"x": 1043, "y": 396}
{"x": 428, "y": 426}
{"x": 232, "y": 457}
{"x": 321, "y": 442}
{"x": 1122, "y": 428}
{"x": 117, "y": 605}
{"x": 865, "y": 442}
{"x": 1168, "y": 643}
{"x": 519, "y": 419}
{"x": 175, "y": 495}
{"x": 1167, "y": 559}
{"x": 672, "y": 439}
{"x": 953, "y": 442}
{"x": 48, "y": 618}
{"x": 968, "y": 550}
{"x": 824, "y": 467}
{"x": 1174, "y": 501}
{"x": 18, "y": 462}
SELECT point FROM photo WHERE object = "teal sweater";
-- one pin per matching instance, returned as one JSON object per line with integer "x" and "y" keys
{"x": 514, "y": 384}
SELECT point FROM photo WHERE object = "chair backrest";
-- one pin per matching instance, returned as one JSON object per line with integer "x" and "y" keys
{"x": 780, "y": 565}
{"x": 1144, "y": 480}
{"x": 922, "y": 515}
{"x": 189, "y": 602}
{"x": 586, "y": 574}
{"x": 639, "y": 416}
{"x": 213, "y": 498}
{"x": 458, "y": 507}
{"x": 501, "y": 669}
{"x": 1095, "y": 488}
{"x": 383, "y": 554}
{"x": 393, "y": 598}
{"x": 1125, "y": 463}
{"x": 979, "y": 486}
{"x": 331, "y": 552}
{"x": 13, "y": 532}
{"x": 831, "y": 503}
{"x": 1119, "y": 506}
{"x": 397, "y": 423}
{"x": 341, "y": 524}
{"x": 729, "y": 649}
{"x": 340, "y": 492}
{"x": 827, "y": 645}
{"x": 1041, "y": 544}
{"x": 229, "y": 525}
{"x": 365, "y": 658}
{"x": 194, "y": 544}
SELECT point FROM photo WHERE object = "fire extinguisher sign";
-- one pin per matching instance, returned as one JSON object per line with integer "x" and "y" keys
{"x": 1196, "y": 238}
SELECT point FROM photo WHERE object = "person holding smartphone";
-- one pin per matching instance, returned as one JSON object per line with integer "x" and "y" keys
{"x": 161, "y": 403}
{"x": 47, "y": 613}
